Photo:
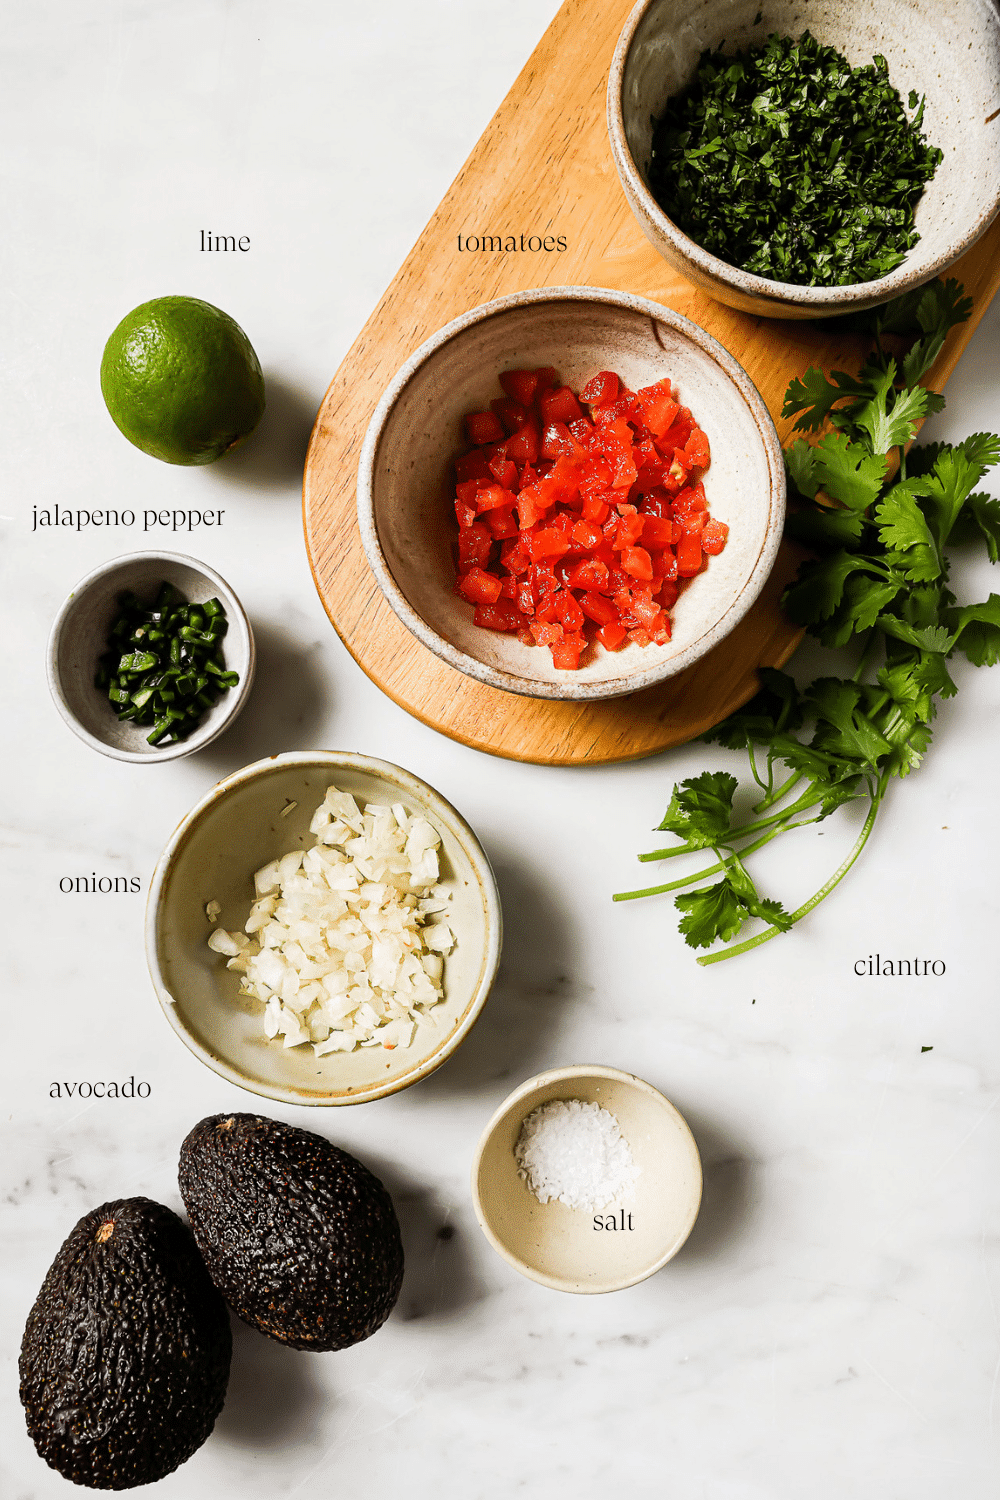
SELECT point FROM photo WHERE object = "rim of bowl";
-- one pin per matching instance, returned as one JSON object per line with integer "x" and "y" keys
{"x": 427, "y": 796}
{"x": 828, "y": 300}
{"x": 207, "y": 732}
{"x": 534, "y": 1085}
{"x": 511, "y": 682}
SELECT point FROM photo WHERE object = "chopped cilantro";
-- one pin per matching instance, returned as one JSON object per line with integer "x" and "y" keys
{"x": 878, "y": 582}
{"x": 789, "y": 163}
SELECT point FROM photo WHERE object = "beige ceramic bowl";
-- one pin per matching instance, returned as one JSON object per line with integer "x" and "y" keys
{"x": 79, "y": 637}
{"x": 238, "y": 827}
{"x": 563, "y": 1247}
{"x": 406, "y": 477}
{"x": 946, "y": 49}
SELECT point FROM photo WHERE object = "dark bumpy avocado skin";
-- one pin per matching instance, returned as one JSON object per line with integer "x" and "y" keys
{"x": 300, "y": 1238}
{"x": 125, "y": 1356}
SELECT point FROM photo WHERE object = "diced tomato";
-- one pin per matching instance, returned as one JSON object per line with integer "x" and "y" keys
{"x": 713, "y": 538}
{"x": 696, "y": 449}
{"x": 567, "y": 527}
{"x": 567, "y": 652}
{"x": 547, "y": 543}
{"x": 520, "y": 385}
{"x": 526, "y": 444}
{"x": 637, "y": 561}
{"x": 559, "y": 405}
{"x": 502, "y": 616}
{"x": 603, "y": 388}
{"x": 501, "y": 522}
{"x": 474, "y": 543}
{"x": 689, "y": 554}
{"x": 483, "y": 427}
{"x": 582, "y": 431}
{"x": 473, "y": 466}
{"x": 595, "y": 509}
{"x": 546, "y": 633}
{"x": 656, "y": 407}
{"x": 479, "y": 587}
{"x": 599, "y": 609}
{"x": 569, "y": 612}
{"x": 504, "y": 471}
{"x": 512, "y": 414}
{"x": 611, "y": 636}
{"x": 559, "y": 442}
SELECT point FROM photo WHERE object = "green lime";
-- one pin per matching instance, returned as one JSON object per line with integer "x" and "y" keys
{"x": 181, "y": 380}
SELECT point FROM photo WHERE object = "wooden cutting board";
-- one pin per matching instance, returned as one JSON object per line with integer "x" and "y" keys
{"x": 543, "y": 170}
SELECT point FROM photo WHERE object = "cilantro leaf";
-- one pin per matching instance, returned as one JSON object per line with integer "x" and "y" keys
{"x": 843, "y": 725}
{"x": 903, "y": 529}
{"x": 892, "y": 422}
{"x": 977, "y": 631}
{"x": 701, "y": 809}
{"x": 824, "y": 527}
{"x": 979, "y": 519}
{"x": 715, "y": 911}
{"x": 816, "y": 394}
{"x": 927, "y": 638}
{"x": 819, "y": 586}
{"x": 800, "y": 462}
{"x": 847, "y": 472}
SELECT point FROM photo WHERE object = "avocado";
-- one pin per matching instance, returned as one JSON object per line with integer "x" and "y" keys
{"x": 125, "y": 1357}
{"x": 299, "y": 1237}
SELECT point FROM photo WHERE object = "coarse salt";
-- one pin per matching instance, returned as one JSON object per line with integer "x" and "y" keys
{"x": 574, "y": 1152}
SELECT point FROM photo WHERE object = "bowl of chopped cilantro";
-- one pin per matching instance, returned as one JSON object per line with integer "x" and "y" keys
{"x": 802, "y": 160}
{"x": 150, "y": 657}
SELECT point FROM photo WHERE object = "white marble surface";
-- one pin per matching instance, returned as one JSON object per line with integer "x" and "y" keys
{"x": 831, "y": 1329}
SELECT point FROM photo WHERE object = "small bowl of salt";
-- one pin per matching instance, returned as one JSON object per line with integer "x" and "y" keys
{"x": 587, "y": 1179}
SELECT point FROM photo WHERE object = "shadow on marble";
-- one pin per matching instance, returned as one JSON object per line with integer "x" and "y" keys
{"x": 273, "y": 1399}
{"x": 438, "y": 1280}
{"x": 273, "y": 457}
{"x": 532, "y": 989}
{"x": 727, "y": 1199}
{"x": 288, "y": 703}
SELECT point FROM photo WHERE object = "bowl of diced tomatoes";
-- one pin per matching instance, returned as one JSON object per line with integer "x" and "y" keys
{"x": 571, "y": 493}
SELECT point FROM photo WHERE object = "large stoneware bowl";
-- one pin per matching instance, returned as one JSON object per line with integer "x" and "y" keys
{"x": 948, "y": 50}
{"x": 406, "y": 485}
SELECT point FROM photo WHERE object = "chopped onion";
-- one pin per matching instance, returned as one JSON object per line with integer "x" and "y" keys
{"x": 343, "y": 944}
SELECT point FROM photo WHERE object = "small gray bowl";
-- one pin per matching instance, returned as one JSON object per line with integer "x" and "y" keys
{"x": 406, "y": 485}
{"x": 79, "y": 637}
{"x": 946, "y": 49}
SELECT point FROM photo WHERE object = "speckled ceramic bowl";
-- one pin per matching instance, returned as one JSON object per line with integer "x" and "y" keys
{"x": 79, "y": 638}
{"x": 573, "y": 1249}
{"x": 946, "y": 49}
{"x": 406, "y": 477}
{"x": 250, "y": 818}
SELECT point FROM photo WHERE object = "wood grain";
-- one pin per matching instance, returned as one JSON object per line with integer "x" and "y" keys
{"x": 544, "y": 167}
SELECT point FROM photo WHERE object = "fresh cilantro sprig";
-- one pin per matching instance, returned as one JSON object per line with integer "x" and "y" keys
{"x": 879, "y": 517}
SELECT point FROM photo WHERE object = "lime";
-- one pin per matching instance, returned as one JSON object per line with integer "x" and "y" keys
{"x": 181, "y": 380}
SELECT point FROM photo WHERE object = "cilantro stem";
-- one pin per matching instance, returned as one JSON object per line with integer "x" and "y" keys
{"x": 821, "y": 894}
{"x": 776, "y": 794}
{"x": 809, "y": 798}
{"x": 675, "y": 885}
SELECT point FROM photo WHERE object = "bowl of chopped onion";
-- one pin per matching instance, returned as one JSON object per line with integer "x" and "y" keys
{"x": 323, "y": 928}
